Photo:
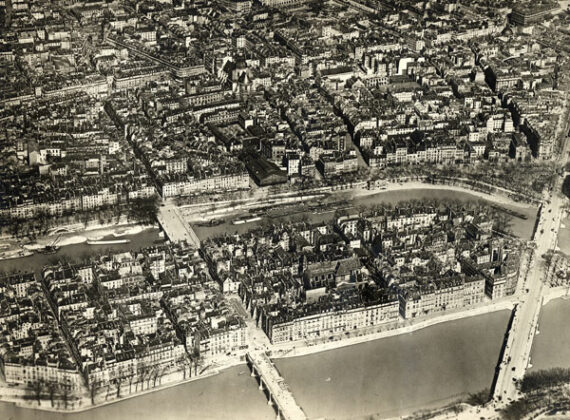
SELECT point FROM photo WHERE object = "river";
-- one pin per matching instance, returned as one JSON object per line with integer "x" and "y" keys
{"x": 399, "y": 375}
{"x": 520, "y": 227}
{"x": 551, "y": 347}
{"x": 388, "y": 377}
{"x": 78, "y": 252}
{"x": 391, "y": 376}
{"x": 233, "y": 394}
{"x": 218, "y": 397}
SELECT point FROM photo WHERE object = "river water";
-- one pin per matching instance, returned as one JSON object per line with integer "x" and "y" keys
{"x": 233, "y": 394}
{"x": 399, "y": 375}
{"x": 520, "y": 227}
{"x": 551, "y": 347}
{"x": 78, "y": 252}
{"x": 218, "y": 397}
{"x": 391, "y": 376}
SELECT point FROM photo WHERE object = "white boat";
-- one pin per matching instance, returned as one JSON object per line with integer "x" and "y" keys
{"x": 238, "y": 222}
{"x": 253, "y": 219}
{"x": 109, "y": 242}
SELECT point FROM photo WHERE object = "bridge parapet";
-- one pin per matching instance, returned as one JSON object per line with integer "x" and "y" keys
{"x": 278, "y": 393}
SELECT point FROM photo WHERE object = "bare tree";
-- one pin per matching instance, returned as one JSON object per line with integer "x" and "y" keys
{"x": 197, "y": 359}
{"x": 181, "y": 364}
{"x": 131, "y": 377}
{"x": 149, "y": 374}
{"x": 38, "y": 387}
{"x": 165, "y": 370}
{"x": 65, "y": 394}
{"x": 52, "y": 387}
{"x": 108, "y": 388}
{"x": 184, "y": 362}
{"x": 93, "y": 388}
{"x": 118, "y": 384}
{"x": 119, "y": 379}
{"x": 156, "y": 373}
{"x": 141, "y": 372}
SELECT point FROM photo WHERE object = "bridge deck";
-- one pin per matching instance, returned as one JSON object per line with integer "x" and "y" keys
{"x": 519, "y": 343}
{"x": 175, "y": 226}
{"x": 280, "y": 392}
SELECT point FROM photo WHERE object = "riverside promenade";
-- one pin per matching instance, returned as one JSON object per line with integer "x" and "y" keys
{"x": 272, "y": 383}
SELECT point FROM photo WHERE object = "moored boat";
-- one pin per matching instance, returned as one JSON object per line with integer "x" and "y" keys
{"x": 48, "y": 250}
{"x": 109, "y": 242}
{"x": 211, "y": 223}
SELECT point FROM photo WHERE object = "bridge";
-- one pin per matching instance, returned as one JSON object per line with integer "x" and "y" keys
{"x": 516, "y": 355}
{"x": 274, "y": 387}
{"x": 518, "y": 346}
{"x": 176, "y": 228}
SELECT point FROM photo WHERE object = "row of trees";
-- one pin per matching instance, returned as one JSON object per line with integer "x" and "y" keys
{"x": 543, "y": 390}
{"x": 143, "y": 377}
{"x": 54, "y": 391}
{"x": 520, "y": 177}
{"x": 541, "y": 379}
{"x": 539, "y": 402}
{"x": 142, "y": 210}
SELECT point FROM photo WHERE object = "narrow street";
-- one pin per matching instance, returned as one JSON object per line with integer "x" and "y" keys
{"x": 256, "y": 338}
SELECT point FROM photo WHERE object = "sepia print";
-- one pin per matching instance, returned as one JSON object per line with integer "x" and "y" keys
{"x": 284, "y": 209}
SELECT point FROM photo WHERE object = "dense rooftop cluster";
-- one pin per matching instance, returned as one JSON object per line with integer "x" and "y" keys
{"x": 130, "y": 317}
{"x": 30, "y": 334}
{"x": 106, "y": 100}
{"x": 303, "y": 281}
{"x": 64, "y": 155}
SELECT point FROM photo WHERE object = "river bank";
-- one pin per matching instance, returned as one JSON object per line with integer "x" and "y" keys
{"x": 412, "y": 185}
{"x": 94, "y": 233}
{"x": 399, "y": 375}
{"x": 551, "y": 345}
{"x": 554, "y": 293}
{"x": 230, "y": 207}
{"x": 83, "y": 403}
{"x": 231, "y": 393}
{"x": 69, "y": 235}
{"x": 352, "y": 201}
{"x": 302, "y": 349}
{"x": 79, "y": 250}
